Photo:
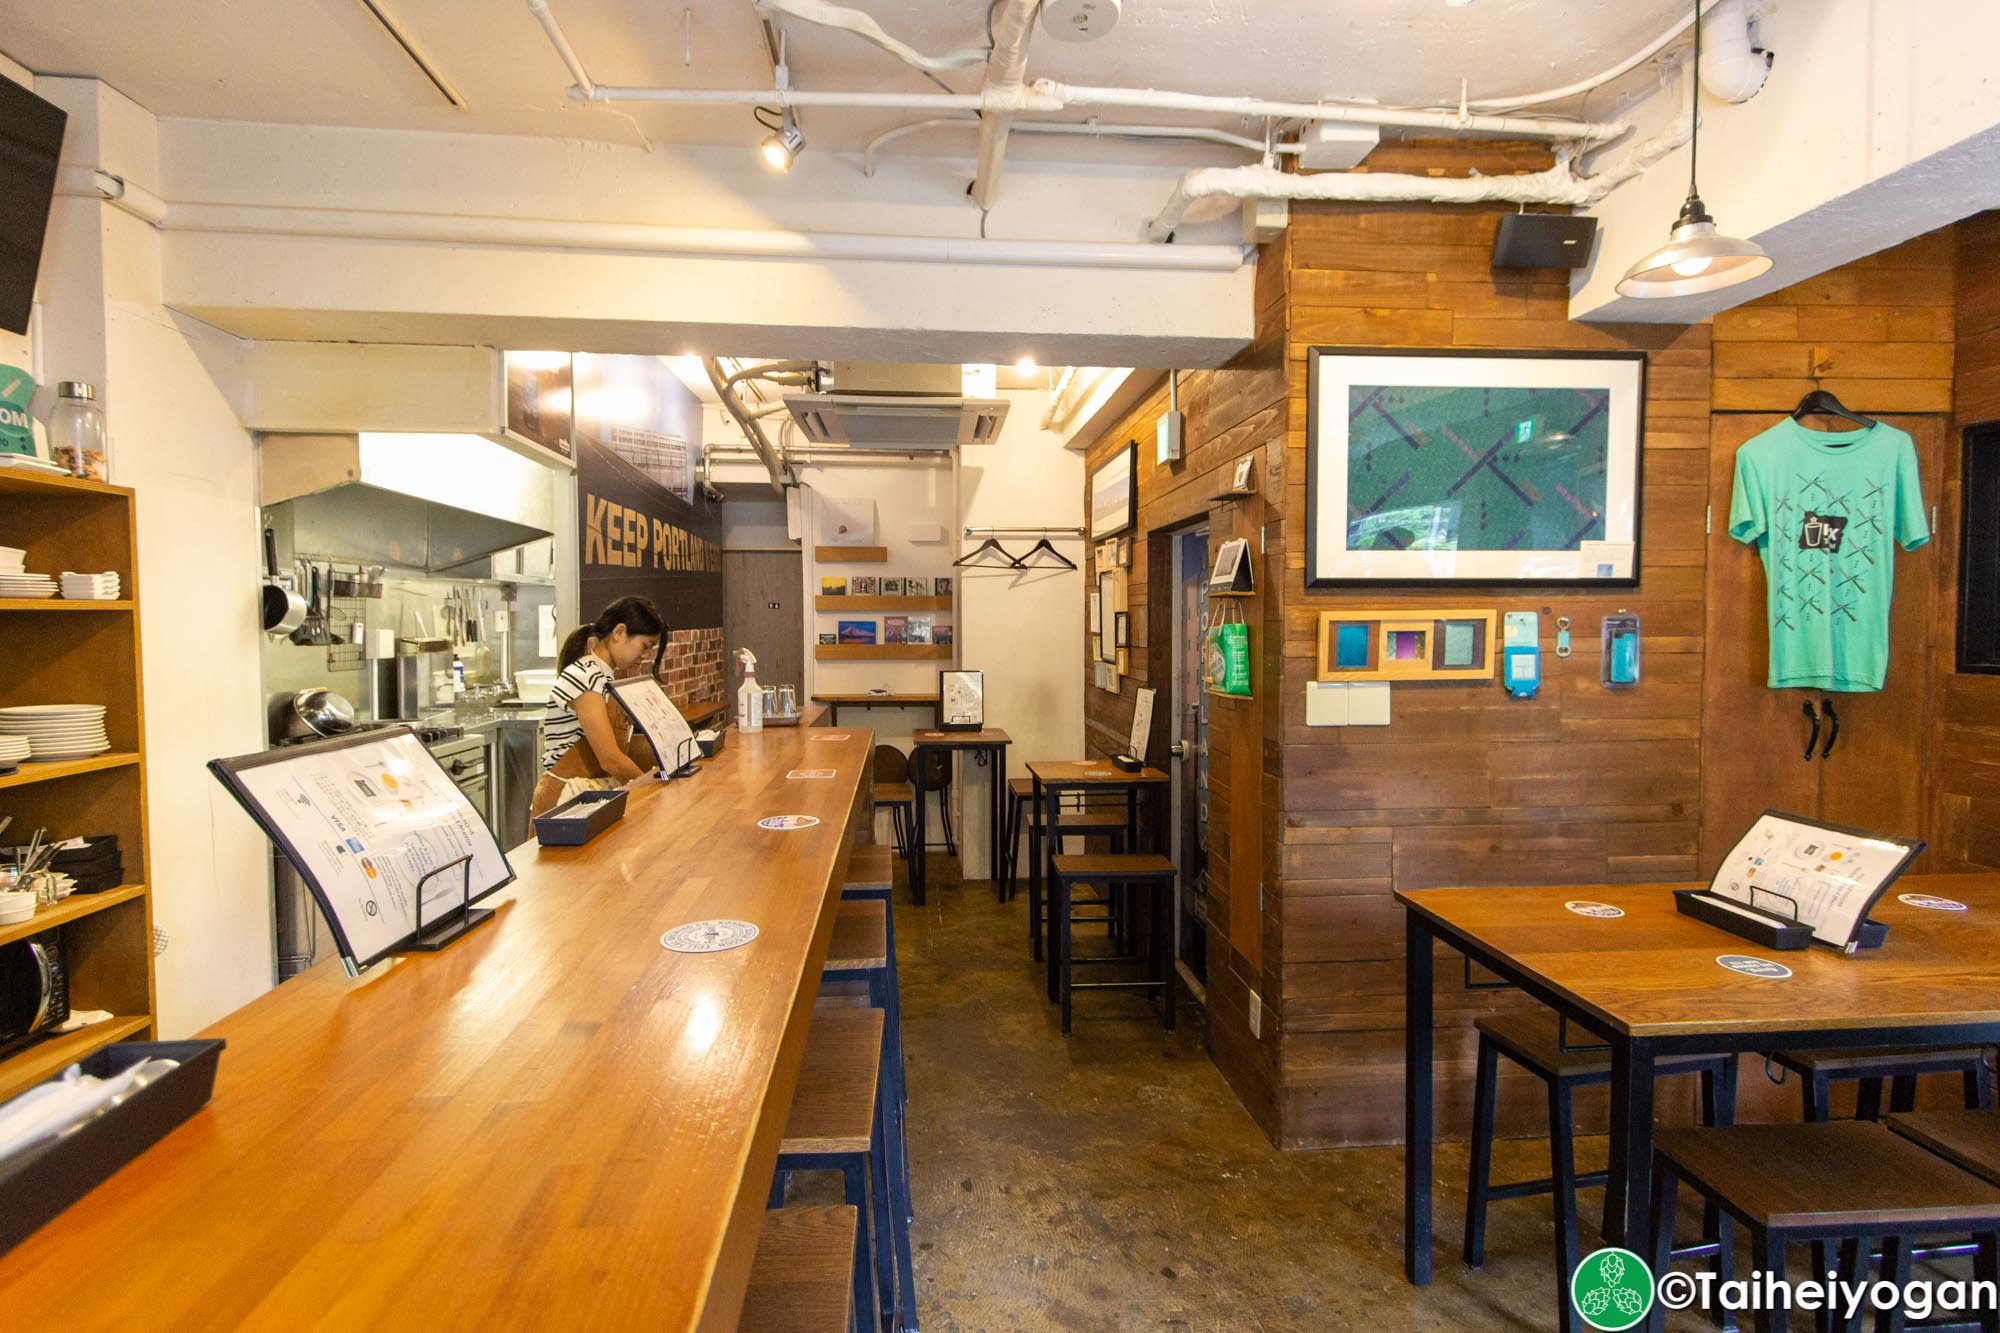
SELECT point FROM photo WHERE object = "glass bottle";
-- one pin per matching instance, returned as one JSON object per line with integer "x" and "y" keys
{"x": 78, "y": 439}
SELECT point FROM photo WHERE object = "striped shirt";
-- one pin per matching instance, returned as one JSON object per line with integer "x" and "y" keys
{"x": 561, "y": 728}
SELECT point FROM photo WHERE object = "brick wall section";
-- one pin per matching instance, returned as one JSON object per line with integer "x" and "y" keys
{"x": 691, "y": 668}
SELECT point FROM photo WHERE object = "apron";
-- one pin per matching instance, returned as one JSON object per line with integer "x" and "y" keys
{"x": 578, "y": 770}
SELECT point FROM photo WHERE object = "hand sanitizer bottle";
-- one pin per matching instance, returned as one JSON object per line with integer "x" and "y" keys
{"x": 749, "y": 698}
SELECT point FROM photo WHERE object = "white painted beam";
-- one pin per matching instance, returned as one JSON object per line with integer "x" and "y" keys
{"x": 352, "y": 387}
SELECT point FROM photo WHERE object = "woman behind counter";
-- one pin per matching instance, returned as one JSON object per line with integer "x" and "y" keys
{"x": 585, "y": 741}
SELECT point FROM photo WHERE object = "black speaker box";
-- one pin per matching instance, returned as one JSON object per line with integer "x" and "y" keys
{"x": 1543, "y": 240}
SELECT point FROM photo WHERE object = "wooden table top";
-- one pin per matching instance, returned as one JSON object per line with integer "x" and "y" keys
{"x": 961, "y": 740}
{"x": 1652, "y": 972}
{"x": 555, "y": 1122}
{"x": 1092, "y": 773}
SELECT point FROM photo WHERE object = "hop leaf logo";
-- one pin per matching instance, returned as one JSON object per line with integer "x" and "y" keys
{"x": 1613, "y": 1289}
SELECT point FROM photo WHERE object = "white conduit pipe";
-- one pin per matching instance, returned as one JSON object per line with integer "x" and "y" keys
{"x": 1056, "y": 417}
{"x": 1582, "y": 86}
{"x": 868, "y": 30}
{"x": 540, "y": 9}
{"x": 799, "y": 97}
{"x": 1069, "y": 94}
{"x": 1730, "y": 67}
{"x": 1093, "y": 129}
{"x": 251, "y": 219}
{"x": 1560, "y": 184}
{"x": 82, "y": 182}
{"x": 1005, "y": 82}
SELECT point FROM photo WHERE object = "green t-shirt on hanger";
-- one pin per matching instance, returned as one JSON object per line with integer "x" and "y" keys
{"x": 1826, "y": 511}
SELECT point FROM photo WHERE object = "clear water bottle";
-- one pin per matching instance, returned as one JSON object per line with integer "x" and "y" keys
{"x": 78, "y": 439}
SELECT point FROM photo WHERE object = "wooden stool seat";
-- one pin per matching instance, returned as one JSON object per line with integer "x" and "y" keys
{"x": 1899, "y": 1067}
{"x": 895, "y": 793}
{"x": 871, "y": 867}
{"x": 1114, "y": 866}
{"x": 833, "y": 1109}
{"x": 860, "y": 936}
{"x": 900, "y": 800}
{"x": 1969, "y": 1139}
{"x": 1534, "y": 1040}
{"x": 1879, "y": 1062}
{"x": 799, "y": 1277}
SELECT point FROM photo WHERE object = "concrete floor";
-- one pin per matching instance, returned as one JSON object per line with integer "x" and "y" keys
{"x": 1112, "y": 1180}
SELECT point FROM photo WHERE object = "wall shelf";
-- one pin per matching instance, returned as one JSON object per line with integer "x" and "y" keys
{"x": 58, "y": 604}
{"x": 45, "y": 1059}
{"x": 845, "y": 604}
{"x": 73, "y": 908}
{"x": 31, "y": 772}
{"x": 15, "y": 481}
{"x": 884, "y": 652}
{"x": 851, "y": 555}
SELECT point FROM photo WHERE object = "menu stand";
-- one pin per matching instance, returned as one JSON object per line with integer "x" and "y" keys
{"x": 1762, "y": 926}
{"x": 465, "y": 916}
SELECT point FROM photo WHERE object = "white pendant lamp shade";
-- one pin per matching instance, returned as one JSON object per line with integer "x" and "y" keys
{"x": 1696, "y": 258}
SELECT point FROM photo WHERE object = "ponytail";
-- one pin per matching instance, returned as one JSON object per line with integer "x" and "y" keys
{"x": 637, "y": 614}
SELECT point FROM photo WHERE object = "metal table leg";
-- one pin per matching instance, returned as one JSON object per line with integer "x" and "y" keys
{"x": 920, "y": 838}
{"x": 1051, "y": 840}
{"x": 1628, "y": 1209}
{"x": 994, "y": 831}
{"x": 1419, "y": 1110}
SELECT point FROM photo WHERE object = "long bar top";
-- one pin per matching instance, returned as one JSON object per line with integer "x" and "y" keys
{"x": 553, "y": 1123}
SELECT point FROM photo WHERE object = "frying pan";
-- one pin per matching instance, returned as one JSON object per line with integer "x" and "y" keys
{"x": 284, "y": 610}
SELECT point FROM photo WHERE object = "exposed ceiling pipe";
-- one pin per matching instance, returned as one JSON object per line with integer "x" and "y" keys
{"x": 1560, "y": 184}
{"x": 1090, "y": 128}
{"x": 1071, "y": 95}
{"x": 540, "y": 9}
{"x": 868, "y": 30}
{"x": 1581, "y": 86}
{"x": 1006, "y": 78}
{"x": 1731, "y": 68}
{"x": 775, "y": 371}
{"x": 773, "y": 462}
{"x": 1058, "y": 414}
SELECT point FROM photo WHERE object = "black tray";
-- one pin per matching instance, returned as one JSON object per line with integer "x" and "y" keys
{"x": 577, "y": 821}
{"x": 38, "y": 1183}
{"x": 1773, "y": 932}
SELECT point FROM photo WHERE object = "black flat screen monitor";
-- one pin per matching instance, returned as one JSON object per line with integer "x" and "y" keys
{"x": 31, "y": 135}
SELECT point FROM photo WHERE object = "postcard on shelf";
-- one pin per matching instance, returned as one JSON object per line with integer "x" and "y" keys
{"x": 916, "y": 587}
{"x": 919, "y": 629}
{"x": 857, "y": 631}
{"x": 832, "y": 585}
{"x": 895, "y": 629}
{"x": 862, "y": 585}
{"x": 942, "y": 634}
{"x": 829, "y": 639}
{"x": 892, "y": 587}
{"x": 941, "y": 587}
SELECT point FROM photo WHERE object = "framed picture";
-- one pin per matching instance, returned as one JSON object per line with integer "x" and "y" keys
{"x": 1122, "y": 620}
{"x": 916, "y": 587}
{"x": 940, "y": 587}
{"x": 1124, "y": 553}
{"x": 1106, "y": 627}
{"x": 862, "y": 585}
{"x": 1450, "y": 466}
{"x": 961, "y": 700}
{"x": 832, "y": 586}
{"x": 857, "y": 631}
{"x": 1245, "y": 467}
{"x": 829, "y": 639}
{"x": 892, "y": 587}
{"x": 1114, "y": 492}
{"x": 942, "y": 634}
{"x": 896, "y": 629}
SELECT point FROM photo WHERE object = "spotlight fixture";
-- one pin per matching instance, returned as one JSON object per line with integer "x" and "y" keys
{"x": 1696, "y": 257}
{"x": 1026, "y": 365}
{"x": 784, "y": 144}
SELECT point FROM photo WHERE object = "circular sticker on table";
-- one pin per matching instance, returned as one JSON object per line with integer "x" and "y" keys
{"x": 709, "y": 936}
{"x": 1604, "y": 910}
{"x": 788, "y": 822}
{"x": 1754, "y": 967}
{"x": 1931, "y": 901}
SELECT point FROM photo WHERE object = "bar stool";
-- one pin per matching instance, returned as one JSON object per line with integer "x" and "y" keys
{"x": 1845, "y": 1182}
{"x": 799, "y": 1276}
{"x": 1146, "y": 873}
{"x": 889, "y": 772}
{"x": 1818, "y": 1070}
{"x": 1075, "y": 822}
{"x": 932, "y": 773}
{"x": 1533, "y": 1039}
{"x": 1969, "y": 1140}
{"x": 1081, "y": 821}
{"x": 861, "y": 951}
{"x": 839, "y": 1122}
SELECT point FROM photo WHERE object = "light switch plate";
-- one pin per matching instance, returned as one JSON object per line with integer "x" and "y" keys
{"x": 1256, "y": 1014}
{"x": 1326, "y": 703}
{"x": 1368, "y": 704}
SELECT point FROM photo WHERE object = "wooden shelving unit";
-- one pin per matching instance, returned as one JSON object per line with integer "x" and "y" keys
{"x": 851, "y": 555}
{"x": 81, "y": 652}
{"x": 841, "y": 604}
{"x": 883, "y": 652}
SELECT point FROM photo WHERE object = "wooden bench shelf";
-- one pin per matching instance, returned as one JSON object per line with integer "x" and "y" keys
{"x": 31, "y": 772}
{"x": 851, "y": 555}
{"x": 844, "y": 604}
{"x": 73, "y": 908}
{"x": 883, "y": 652}
{"x": 45, "y": 1059}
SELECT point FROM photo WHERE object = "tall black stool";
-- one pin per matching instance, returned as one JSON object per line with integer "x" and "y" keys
{"x": 1142, "y": 873}
{"x": 932, "y": 773}
{"x": 1845, "y": 1182}
{"x": 1534, "y": 1040}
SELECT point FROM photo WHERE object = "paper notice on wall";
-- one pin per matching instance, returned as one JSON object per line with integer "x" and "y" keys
{"x": 1604, "y": 560}
{"x": 545, "y": 632}
{"x": 845, "y": 522}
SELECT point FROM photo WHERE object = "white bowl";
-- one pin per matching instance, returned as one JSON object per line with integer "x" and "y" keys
{"x": 533, "y": 685}
{"x": 16, "y": 905}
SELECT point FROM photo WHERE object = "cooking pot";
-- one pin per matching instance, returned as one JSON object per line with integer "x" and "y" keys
{"x": 319, "y": 712}
{"x": 284, "y": 610}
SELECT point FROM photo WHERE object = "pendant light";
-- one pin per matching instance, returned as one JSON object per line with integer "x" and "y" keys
{"x": 1696, "y": 257}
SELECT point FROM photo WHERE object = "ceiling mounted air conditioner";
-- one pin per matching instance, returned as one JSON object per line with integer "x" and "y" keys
{"x": 896, "y": 421}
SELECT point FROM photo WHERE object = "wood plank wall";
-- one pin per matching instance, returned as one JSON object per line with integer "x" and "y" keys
{"x": 1967, "y": 755}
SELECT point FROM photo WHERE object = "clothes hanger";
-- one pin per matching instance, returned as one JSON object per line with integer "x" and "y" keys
{"x": 1037, "y": 548}
{"x": 1820, "y": 402}
{"x": 988, "y": 545}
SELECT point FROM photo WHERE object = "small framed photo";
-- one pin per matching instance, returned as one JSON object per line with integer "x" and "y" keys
{"x": 1124, "y": 553}
{"x": 896, "y": 629}
{"x": 862, "y": 585}
{"x": 1246, "y": 467}
{"x": 940, "y": 587}
{"x": 916, "y": 587}
{"x": 1123, "y": 628}
{"x": 1114, "y": 492}
{"x": 857, "y": 631}
{"x": 832, "y": 586}
{"x": 829, "y": 639}
{"x": 941, "y": 634}
{"x": 892, "y": 587}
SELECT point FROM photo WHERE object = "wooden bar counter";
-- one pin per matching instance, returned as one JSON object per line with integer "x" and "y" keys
{"x": 553, "y": 1123}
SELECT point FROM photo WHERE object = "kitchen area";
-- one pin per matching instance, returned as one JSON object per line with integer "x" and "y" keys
{"x": 418, "y": 588}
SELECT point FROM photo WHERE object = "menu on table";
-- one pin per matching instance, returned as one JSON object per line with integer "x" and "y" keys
{"x": 1824, "y": 876}
{"x": 664, "y": 727}
{"x": 364, "y": 819}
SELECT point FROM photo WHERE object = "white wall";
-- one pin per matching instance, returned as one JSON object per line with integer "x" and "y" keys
{"x": 176, "y": 442}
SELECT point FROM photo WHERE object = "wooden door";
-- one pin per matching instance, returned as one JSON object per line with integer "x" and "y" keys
{"x": 763, "y": 609}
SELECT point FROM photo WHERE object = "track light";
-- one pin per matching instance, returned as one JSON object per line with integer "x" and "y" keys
{"x": 1696, "y": 257}
{"x": 783, "y": 146}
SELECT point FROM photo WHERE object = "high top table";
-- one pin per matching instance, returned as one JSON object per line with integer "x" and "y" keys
{"x": 1648, "y": 984}
{"x": 987, "y": 740}
{"x": 553, "y": 1123}
{"x": 1051, "y": 779}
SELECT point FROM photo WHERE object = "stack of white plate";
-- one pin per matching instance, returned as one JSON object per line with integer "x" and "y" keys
{"x": 13, "y": 749}
{"x": 27, "y": 585}
{"x": 90, "y": 587}
{"x": 13, "y": 560}
{"x": 58, "y": 731}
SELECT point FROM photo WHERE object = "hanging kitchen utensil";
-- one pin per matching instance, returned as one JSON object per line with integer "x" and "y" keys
{"x": 303, "y": 635}
{"x": 284, "y": 610}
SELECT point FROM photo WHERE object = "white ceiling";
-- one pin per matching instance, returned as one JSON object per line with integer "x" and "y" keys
{"x": 328, "y": 62}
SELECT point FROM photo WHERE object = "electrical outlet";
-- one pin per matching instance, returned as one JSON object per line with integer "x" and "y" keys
{"x": 1256, "y": 1014}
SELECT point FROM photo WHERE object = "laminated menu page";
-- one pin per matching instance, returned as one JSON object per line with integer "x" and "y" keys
{"x": 666, "y": 730}
{"x": 365, "y": 819}
{"x": 1823, "y": 876}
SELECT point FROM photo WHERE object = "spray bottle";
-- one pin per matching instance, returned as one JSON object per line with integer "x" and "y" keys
{"x": 749, "y": 698}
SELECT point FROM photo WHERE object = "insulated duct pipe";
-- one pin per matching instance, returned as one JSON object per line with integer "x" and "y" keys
{"x": 773, "y": 462}
{"x": 868, "y": 30}
{"x": 1731, "y": 68}
{"x": 1560, "y": 184}
{"x": 1006, "y": 77}
{"x": 1086, "y": 129}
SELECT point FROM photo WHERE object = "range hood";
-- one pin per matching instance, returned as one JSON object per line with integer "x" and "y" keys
{"x": 892, "y": 421}
{"x": 416, "y": 501}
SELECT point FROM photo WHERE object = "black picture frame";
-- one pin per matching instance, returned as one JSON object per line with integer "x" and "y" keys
{"x": 1316, "y": 357}
{"x": 1125, "y": 457}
